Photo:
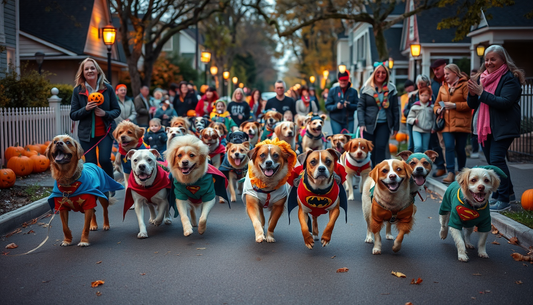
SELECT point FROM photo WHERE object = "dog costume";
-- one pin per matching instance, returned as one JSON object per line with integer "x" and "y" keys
{"x": 126, "y": 164}
{"x": 320, "y": 136}
{"x": 380, "y": 214}
{"x": 219, "y": 150}
{"x": 226, "y": 168}
{"x": 81, "y": 194}
{"x": 357, "y": 166}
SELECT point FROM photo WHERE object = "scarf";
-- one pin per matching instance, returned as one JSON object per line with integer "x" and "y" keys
{"x": 451, "y": 87}
{"x": 490, "y": 83}
{"x": 385, "y": 103}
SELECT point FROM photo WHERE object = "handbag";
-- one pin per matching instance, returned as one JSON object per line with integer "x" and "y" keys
{"x": 439, "y": 121}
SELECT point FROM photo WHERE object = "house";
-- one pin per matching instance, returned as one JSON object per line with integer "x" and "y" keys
{"x": 9, "y": 42}
{"x": 184, "y": 45}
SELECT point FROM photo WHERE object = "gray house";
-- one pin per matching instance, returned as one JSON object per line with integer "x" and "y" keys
{"x": 9, "y": 43}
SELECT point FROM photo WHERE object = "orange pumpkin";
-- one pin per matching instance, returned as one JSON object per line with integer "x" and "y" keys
{"x": 191, "y": 113}
{"x": 400, "y": 137}
{"x": 13, "y": 151}
{"x": 21, "y": 165}
{"x": 114, "y": 149}
{"x": 40, "y": 163}
{"x": 7, "y": 178}
{"x": 113, "y": 157}
{"x": 35, "y": 147}
{"x": 30, "y": 152}
{"x": 96, "y": 97}
{"x": 527, "y": 200}
{"x": 393, "y": 148}
{"x": 43, "y": 148}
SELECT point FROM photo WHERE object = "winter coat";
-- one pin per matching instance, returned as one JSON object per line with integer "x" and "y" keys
{"x": 169, "y": 112}
{"x": 127, "y": 111}
{"x": 504, "y": 107}
{"x": 201, "y": 104}
{"x": 188, "y": 103}
{"x": 336, "y": 96}
{"x": 425, "y": 116}
{"x": 460, "y": 118}
{"x": 303, "y": 110}
{"x": 143, "y": 110}
{"x": 78, "y": 112}
{"x": 367, "y": 109}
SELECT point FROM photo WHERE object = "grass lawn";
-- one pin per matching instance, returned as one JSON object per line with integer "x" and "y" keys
{"x": 523, "y": 217}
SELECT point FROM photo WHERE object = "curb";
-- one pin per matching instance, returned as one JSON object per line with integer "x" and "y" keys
{"x": 508, "y": 227}
{"x": 12, "y": 220}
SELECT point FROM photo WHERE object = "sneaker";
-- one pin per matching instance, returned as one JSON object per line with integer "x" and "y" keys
{"x": 474, "y": 155}
{"x": 500, "y": 206}
{"x": 512, "y": 198}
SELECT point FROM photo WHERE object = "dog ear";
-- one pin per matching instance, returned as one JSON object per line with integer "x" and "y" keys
{"x": 228, "y": 146}
{"x": 307, "y": 120}
{"x": 139, "y": 132}
{"x": 79, "y": 149}
{"x": 130, "y": 153}
{"x": 370, "y": 145}
{"x": 167, "y": 129}
{"x": 246, "y": 144}
{"x": 462, "y": 177}
{"x": 348, "y": 138}
{"x": 303, "y": 157}
{"x": 348, "y": 146}
{"x": 374, "y": 173}
{"x": 323, "y": 117}
{"x": 48, "y": 151}
{"x": 328, "y": 138}
{"x": 277, "y": 130}
{"x": 431, "y": 154}
{"x": 408, "y": 169}
{"x": 336, "y": 155}
{"x": 241, "y": 127}
{"x": 115, "y": 133}
{"x": 278, "y": 116}
{"x": 252, "y": 154}
{"x": 404, "y": 154}
{"x": 155, "y": 153}
{"x": 257, "y": 124}
{"x": 495, "y": 179}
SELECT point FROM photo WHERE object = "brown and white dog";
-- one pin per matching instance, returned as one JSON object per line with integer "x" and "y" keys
{"x": 252, "y": 130}
{"x": 313, "y": 138}
{"x": 211, "y": 138}
{"x": 78, "y": 187}
{"x": 465, "y": 205}
{"x": 338, "y": 141}
{"x": 271, "y": 118}
{"x": 180, "y": 122}
{"x": 129, "y": 136}
{"x": 421, "y": 164}
{"x": 391, "y": 201}
{"x": 237, "y": 157}
{"x": 356, "y": 162}
{"x": 286, "y": 131}
{"x": 173, "y": 132}
{"x": 220, "y": 127}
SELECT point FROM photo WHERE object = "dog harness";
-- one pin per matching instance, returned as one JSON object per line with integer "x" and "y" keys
{"x": 126, "y": 164}
{"x": 357, "y": 166}
{"x": 462, "y": 214}
{"x": 318, "y": 201}
{"x": 380, "y": 213}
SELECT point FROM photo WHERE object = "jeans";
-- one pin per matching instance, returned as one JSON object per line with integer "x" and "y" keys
{"x": 337, "y": 127}
{"x": 421, "y": 141}
{"x": 455, "y": 144}
{"x": 495, "y": 152}
{"x": 380, "y": 139}
{"x": 410, "y": 143}
{"x": 435, "y": 146}
{"x": 475, "y": 144}
{"x": 104, "y": 153}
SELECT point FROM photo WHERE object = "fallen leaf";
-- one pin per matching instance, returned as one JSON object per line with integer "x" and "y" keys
{"x": 487, "y": 291}
{"x": 98, "y": 293}
{"x": 494, "y": 230}
{"x": 98, "y": 262}
{"x": 156, "y": 252}
{"x": 333, "y": 256}
{"x": 200, "y": 248}
{"x": 5, "y": 253}
{"x": 119, "y": 242}
{"x": 473, "y": 298}
{"x": 143, "y": 273}
{"x": 408, "y": 303}
{"x": 29, "y": 232}
{"x": 495, "y": 243}
{"x": 398, "y": 274}
{"x": 416, "y": 282}
{"x": 477, "y": 274}
{"x": 513, "y": 241}
{"x": 342, "y": 270}
{"x": 482, "y": 292}
{"x": 519, "y": 257}
{"x": 46, "y": 281}
{"x": 12, "y": 246}
{"x": 519, "y": 282}
{"x": 97, "y": 283}
{"x": 198, "y": 254}
{"x": 430, "y": 217}
{"x": 258, "y": 259}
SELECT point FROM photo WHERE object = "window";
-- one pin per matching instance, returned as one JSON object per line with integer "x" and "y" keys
{"x": 10, "y": 59}
{"x": 169, "y": 45}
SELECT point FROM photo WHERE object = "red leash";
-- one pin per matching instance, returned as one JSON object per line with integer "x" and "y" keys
{"x": 108, "y": 129}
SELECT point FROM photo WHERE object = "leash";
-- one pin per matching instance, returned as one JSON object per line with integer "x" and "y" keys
{"x": 107, "y": 132}
{"x": 425, "y": 191}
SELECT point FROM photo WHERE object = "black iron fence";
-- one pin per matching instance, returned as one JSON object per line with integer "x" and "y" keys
{"x": 521, "y": 149}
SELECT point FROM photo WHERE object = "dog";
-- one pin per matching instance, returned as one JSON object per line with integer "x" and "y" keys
{"x": 313, "y": 138}
{"x": 338, "y": 141}
{"x": 78, "y": 186}
{"x": 222, "y": 130}
{"x": 180, "y": 122}
{"x": 286, "y": 131}
{"x": 271, "y": 118}
{"x": 356, "y": 160}
{"x": 199, "y": 123}
{"x": 196, "y": 182}
{"x": 465, "y": 205}
{"x": 235, "y": 165}
{"x": 270, "y": 166}
{"x": 173, "y": 132}
{"x": 300, "y": 124}
{"x": 211, "y": 138}
{"x": 238, "y": 137}
{"x": 421, "y": 164}
{"x": 129, "y": 136}
{"x": 391, "y": 201}
{"x": 252, "y": 130}
{"x": 149, "y": 185}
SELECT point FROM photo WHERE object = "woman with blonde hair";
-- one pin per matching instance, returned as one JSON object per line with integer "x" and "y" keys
{"x": 238, "y": 107}
{"x": 495, "y": 95}
{"x": 96, "y": 122}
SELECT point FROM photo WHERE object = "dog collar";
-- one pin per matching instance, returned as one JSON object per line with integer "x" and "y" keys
{"x": 471, "y": 206}
{"x": 73, "y": 181}
{"x": 124, "y": 153}
{"x": 311, "y": 189}
{"x": 309, "y": 135}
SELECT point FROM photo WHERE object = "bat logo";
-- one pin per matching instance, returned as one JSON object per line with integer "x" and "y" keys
{"x": 192, "y": 188}
{"x": 466, "y": 213}
{"x": 318, "y": 201}
{"x": 69, "y": 189}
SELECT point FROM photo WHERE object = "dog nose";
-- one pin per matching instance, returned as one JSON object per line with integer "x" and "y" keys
{"x": 237, "y": 155}
{"x": 290, "y": 133}
{"x": 59, "y": 143}
{"x": 185, "y": 163}
{"x": 419, "y": 169}
{"x": 268, "y": 163}
{"x": 392, "y": 176}
{"x": 481, "y": 187}
{"x": 142, "y": 166}
{"x": 122, "y": 137}
{"x": 321, "y": 169}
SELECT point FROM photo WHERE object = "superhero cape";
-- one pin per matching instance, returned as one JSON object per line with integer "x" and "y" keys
{"x": 93, "y": 181}
{"x": 220, "y": 187}
{"x": 161, "y": 181}
{"x": 226, "y": 168}
{"x": 126, "y": 164}
{"x": 219, "y": 150}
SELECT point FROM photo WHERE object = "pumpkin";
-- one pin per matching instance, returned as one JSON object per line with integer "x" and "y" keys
{"x": 13, "y": 151}
{"x": 35, "y": 147}
{"x": 114, "y": 149}
{"x": 96, "y": 97}
{"x": 21, "y": 165}
{"x": 113, "y": 157}
{"x": 191, "y": 113}
{"x": 43, "y": 148}
{"x": 393, "y": 148}
{"x": 400, "y": 137}
{"x": 7, "y": 178}
{"x": 29, "y": 152}
{"x": 40, "y": 163}
{"x": 527, "y": 200}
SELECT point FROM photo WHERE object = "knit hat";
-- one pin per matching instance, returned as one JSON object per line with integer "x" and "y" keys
{"x": 437, "y": 63}
{"x": 120, "y": 86}
{"x": 408, "y": 83}
{"x": 343, "y": 76}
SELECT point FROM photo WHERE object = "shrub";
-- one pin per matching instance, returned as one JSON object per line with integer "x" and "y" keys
{"x": 65, "y": 92}
{"x": 26, "y": 90}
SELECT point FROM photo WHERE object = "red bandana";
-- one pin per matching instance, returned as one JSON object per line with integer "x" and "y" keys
{"x": 161, "y": 181}
{"x": 357, "y": 169}
{"x": 219, "y": 150}
{"x": 123, "y": 152}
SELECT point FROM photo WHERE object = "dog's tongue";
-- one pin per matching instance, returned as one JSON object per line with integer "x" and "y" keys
{"x": 60, "y": 156}
{"x": 393, "y": 186}
{"x": 185, "y": 170}
{"x": 269, "y": 172}
{"x": 479, "y": 197}
{"x": 419, "y": 180}
{"x": 143, "y": 176}
{"x": 237, "y": 162}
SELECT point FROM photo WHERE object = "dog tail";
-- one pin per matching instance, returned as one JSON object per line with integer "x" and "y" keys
{"x": 112, "y": 200}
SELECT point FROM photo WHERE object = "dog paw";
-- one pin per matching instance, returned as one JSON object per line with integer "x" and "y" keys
{"x": 351, "y": 197}
{"x": 84, "y": 244}
{"x": 396, "y": 247}
{"x": 221, "y": 200}
{"x": 157, "y": 223}
{"x": 187, "y": 232}
{"x": 132, "y": 207}
{"x": 315, "y": 237}
{"x": 389, "y": 236}
{"x": 325, "y": 242}
{"x": 462, "y": 257}
{"x": 168, "y": 221}
{"x": 376, "y": 251}
{"x": 106, "y": 228}
{"x": 259, "y": 238}
{"x": 368, "y": 240}
{"x": 443, "y": 233}
{"x": 469, "y": 246}
{"x": 201, "y": 227}
{"x": 270, "y": 238}
{"x": 483, "y": 255}
{"x": 142, "y": 235}
{"x": 65, "y": 243}
{"x": 93, "y": 228}
{"x": 310, "y": 246}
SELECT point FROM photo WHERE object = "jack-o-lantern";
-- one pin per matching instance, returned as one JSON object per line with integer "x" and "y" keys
{"x": 96, "y": 97}
{"x": 40, "y": 163}
{"x": 21, "y": 165}
{"x": 7, "y": 178}
{"x": 13, "y": 151}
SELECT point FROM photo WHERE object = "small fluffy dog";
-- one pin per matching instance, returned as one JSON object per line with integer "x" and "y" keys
{"x": 356, "y": 160}
{"x": 338, "y": 141}
{"x": 211, "y": 138}
{"x": 421, "y": 164}
{"x": 391, "y": 201}
{"x": 129, "y": 136}
{"x": 300, "y": 124}
{"x": 286, "y": 131}
{"x": 173, "y": 132}
{"x": 313, "y": 138}
{"x": 196, "y": 182}
{"x": 235, "y": 165}
{"x": 180, "y": 122}
{"x": 148, "y": 185}
{"x": 270, "y": 166}
{"x": 465, "y": 205}
{"x": 199, "y": 123}
{"x": 78, "y": 186}
{"x": 271, "y": 118}
{"x": 252, "y": 130}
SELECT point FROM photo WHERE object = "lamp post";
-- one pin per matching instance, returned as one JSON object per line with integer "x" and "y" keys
{"x": 39, "y": 58}
{"x": 205, "y": 58}
{"x": 214, "y": 72}
{"x": 480, "y": 50}
{"x": 325, "y": 74}
{"x": 235, "y": 81}
{"x": 415, "y": 52}
{"x": 391, "y": 63}
{"x": 312, "y": 79}
{"x": 225, "y": 75}
{"x": 342, "y": 68}
{"x": 109, "y": 33}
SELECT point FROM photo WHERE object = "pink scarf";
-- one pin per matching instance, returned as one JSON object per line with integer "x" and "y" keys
{"x": 490, "y": 83}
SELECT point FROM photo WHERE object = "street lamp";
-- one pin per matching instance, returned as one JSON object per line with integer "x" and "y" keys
{"x": 225, "y": 75}
{"x": 415, "y": 52}
{"x": 342, "y": 68}
{"x": 312, "y": 79}
{"x": 205, "y": 57}
{"x": 241, "y": 85}
{"x": 214, "y": 72}
{"x": 109, "y": 33}
{"x": 325, "y": 73}
{"x": 480, "y": 50}
{"x": 391, "y": 63}
{"x": 235, "y": 80}
{"x": 39, "y": 58}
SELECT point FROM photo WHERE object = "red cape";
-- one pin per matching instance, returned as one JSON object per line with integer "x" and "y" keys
{"x": 161, "y": 181}
{"x": 220, "y": 150}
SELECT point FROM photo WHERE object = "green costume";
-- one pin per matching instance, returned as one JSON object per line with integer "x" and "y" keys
{"x": 202, "y": 190}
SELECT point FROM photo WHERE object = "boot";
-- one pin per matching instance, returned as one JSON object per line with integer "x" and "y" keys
{"x": 439, "y": 173}
{"x": 449, "y": 179}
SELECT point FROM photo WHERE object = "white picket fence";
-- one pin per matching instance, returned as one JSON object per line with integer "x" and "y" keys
{"x": 25, "y": 126}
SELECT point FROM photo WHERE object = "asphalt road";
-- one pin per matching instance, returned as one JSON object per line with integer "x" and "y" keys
{"x": 226, "y": 265}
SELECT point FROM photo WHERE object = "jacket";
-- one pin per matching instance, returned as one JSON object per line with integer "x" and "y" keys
{"x": 367, "y": 109}
{"x": 143, "y": 110}
{"x": 188, "y": 103}
{"x": 169, "y": 112}
{"x": 504, "y": 107}
{"x": 78, "y": 112}
{"x": 157, "y": 140}
{"x": 302, "y": 110}
{"x": 425, "y": 116}
{"x": 127, "y": 111}
{"x": 336, "y": 96}
{"x": 460, "y": 118}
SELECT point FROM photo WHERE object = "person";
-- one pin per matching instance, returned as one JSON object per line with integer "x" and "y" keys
{"x": 205, "y": 104}
{"x": 438, "y": 76}
{"x": 184, "y": 101}
{"x": 96, "y": 122}
{"x": 312, "y": 96}
{"x": 127, "y": 109}
{"x": 221, "y": 115}
{"x": 473, "y": 135}
{"x": 325, "y": 94}
{"x": 436, "y": 142}
{"x": 422, "y": 120}
{"x": 165, "y": 113}
{"x": 256, "y": 103}
{"x": 342, "y": 104}
{"x": 156, "y": 136}
{"x": 305, "y": 105}
{"x": 287, "y": 116}
{"x": 409, "y": 87}
{"x": 457, "y": 116}
{"x": 280, "y": 102}
{"x": 497, "y": 103}
{"x": 158, "y": 98}
{"x": 142, "y": 106}
{"x": 378, "y": 112}
{"x": 238, "y": 107}
{"x": 173, "y": 91}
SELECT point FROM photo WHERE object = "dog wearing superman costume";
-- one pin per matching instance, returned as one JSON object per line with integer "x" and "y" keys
{"x": 129, "y": 136}
{"x": 318, "y": 190}
{"x": 148, "y": 185}
{"x": 77, "y": 187}
{"x": 195, "y": 183}
{"x": 466, "y": 204}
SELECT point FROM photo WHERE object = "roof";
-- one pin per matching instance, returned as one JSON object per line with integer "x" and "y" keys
{"x": 427, "y": 26}
{"x": 393, "y": 36}
{"x": 192, "y": 33}
{"x": 510, "y": 16}
{"x": 65, "y": 24}
{"x": 398, "y": 9}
